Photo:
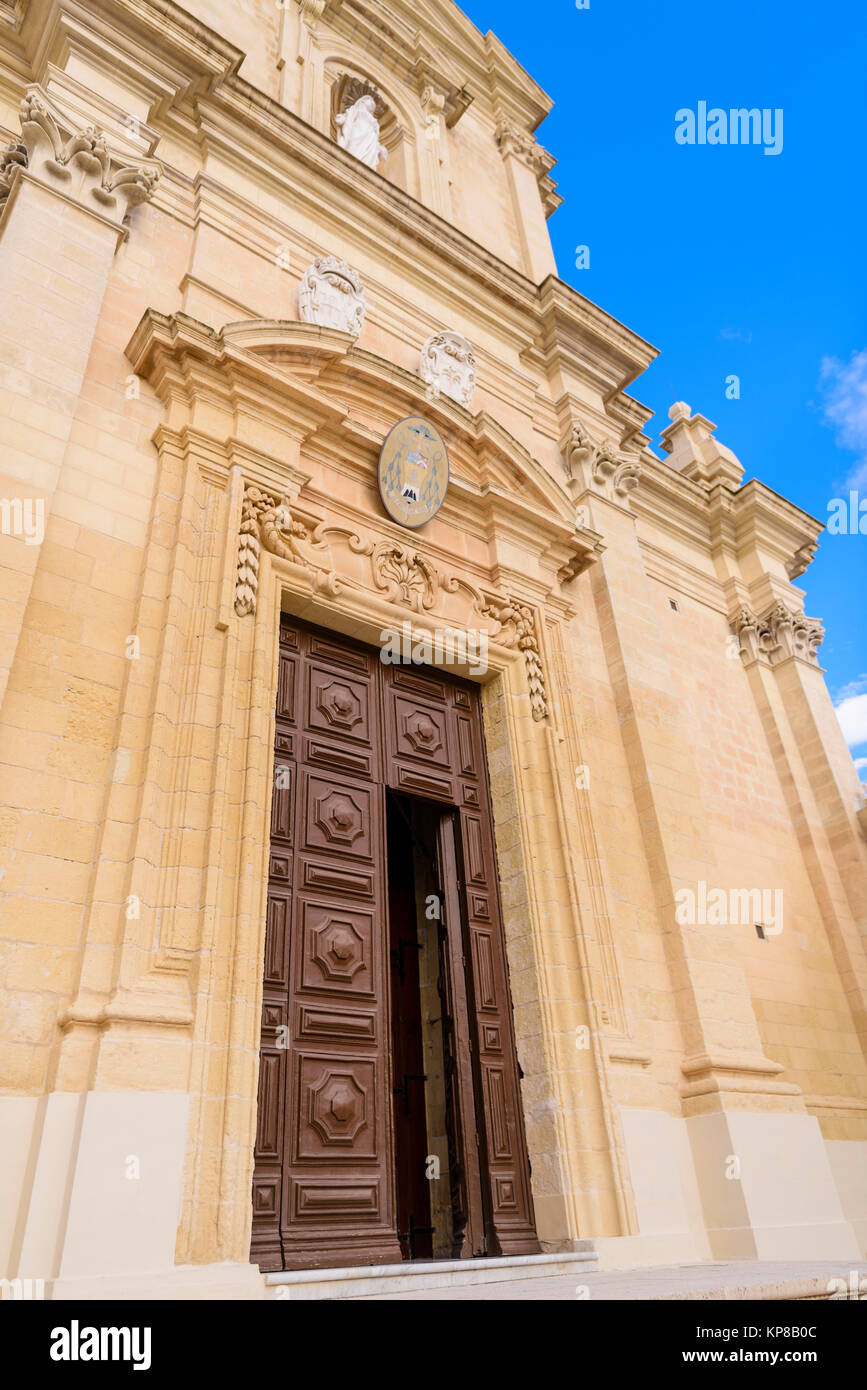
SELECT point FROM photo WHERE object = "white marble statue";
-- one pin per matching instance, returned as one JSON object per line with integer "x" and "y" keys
{"x": 332, "y": 295}
{"x": 359, "y": 132}
{"x": 449, "y": 367}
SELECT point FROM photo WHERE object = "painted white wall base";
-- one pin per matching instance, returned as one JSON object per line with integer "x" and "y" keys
{"x": 767, "y": 1188}
{"x": 125, "y": 1203}
{"x": 665, "y": 1188}
{"x": 848, "y": 1159}
{"x": 18, "y": 1118}
{"x": 98, "y": 1178}
{"x": 640, "y": 1252}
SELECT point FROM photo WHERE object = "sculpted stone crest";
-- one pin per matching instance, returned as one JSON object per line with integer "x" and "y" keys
{"x": 359, "y": 132}
{"x": 332, "y": 295}
{"x": 449, "y": 367}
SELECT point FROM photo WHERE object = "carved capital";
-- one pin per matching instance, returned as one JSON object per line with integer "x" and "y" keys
{"x": 512, "y": 140}
{"x": 601, "y": 467}
{"x": 615, "y": 472}
{"x": 432, "y": 101}
{"x": 520, "y": 143}
{"x": 13, "y": 158}
{"x": 311, "y": 12}
{"x": 74, "y": 161}
{"x": 777, "y": 635}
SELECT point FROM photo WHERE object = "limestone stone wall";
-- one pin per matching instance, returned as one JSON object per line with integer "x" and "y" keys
{"x": 156, "y": 382}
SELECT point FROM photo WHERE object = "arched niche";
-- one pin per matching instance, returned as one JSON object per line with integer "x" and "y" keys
{"x": 345, "y": 86}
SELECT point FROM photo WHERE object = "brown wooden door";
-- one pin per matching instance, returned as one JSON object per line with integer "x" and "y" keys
{"x": 415, "y": 1230}
{"x": 435, "y": 745}
{"x": 347, "y": 728}
{"x": 323, "y": 1186}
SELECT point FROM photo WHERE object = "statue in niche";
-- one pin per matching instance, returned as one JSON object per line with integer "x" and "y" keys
{"x": 359, "y": 132}
{"x": 332, "y": 295}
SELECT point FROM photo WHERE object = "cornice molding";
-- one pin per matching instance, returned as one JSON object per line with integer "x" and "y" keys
{"x": 765, "y": 519}
{"x": 575, "y": 334}
{"x": 752, "y": 519}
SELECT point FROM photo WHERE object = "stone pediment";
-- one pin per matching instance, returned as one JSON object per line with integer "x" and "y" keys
{"x": 325, "y": 390}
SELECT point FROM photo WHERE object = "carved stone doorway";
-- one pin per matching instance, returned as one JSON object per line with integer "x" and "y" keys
{"x": 361, "y": 748}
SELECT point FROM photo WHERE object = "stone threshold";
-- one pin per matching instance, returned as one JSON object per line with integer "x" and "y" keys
{"x": 706, "y": 1281}
{"x": 370, "y": 1281}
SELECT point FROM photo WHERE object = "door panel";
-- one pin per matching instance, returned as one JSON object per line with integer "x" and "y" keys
{"x": 326, "y": 937}
{"x": 470, "y": 1214}
{"x": 420, "y": 734}
{"x": 348, "y": 727}
{"x": 415, "y": 1230}
{"x": 436, "y": 724}
{"x": 505, "y": 1160}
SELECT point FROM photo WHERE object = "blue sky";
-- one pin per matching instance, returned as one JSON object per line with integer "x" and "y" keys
{"x": 730, "y": 261}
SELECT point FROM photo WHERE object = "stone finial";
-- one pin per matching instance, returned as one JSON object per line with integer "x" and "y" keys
{"x": 695, "y": 453}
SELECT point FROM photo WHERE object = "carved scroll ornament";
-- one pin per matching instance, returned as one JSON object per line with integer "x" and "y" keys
{"x": 266, "y": 522}
{"x": 401, "y": 573}
{"x": 517, "y": 628}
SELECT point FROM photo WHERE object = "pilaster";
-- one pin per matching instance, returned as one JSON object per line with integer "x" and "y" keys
{"x": 65, "y": 202}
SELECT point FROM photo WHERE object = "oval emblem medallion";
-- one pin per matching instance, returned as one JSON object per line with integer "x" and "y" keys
{"x": 413, "y": 471}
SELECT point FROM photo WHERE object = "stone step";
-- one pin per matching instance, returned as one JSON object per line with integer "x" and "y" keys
{"x": 367, "y": 1281}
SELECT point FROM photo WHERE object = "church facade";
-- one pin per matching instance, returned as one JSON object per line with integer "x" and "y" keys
{"x": 425, "y": 829}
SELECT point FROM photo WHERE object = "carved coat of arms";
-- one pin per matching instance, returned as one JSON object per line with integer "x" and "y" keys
{"x": 413, "y": 471}
{"x": 332, "y": 295}
{"x": 449, "y": 367}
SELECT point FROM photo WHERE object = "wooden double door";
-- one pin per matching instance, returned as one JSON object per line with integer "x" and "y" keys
{"x": 389, "y": 1114}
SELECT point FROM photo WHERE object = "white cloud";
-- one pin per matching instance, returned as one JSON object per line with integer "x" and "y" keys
{"x": 844, "y": 388}
{"x": 852, "y": 714}
{"x": 861, "y": 764}
{"x": 856, "y": 687}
